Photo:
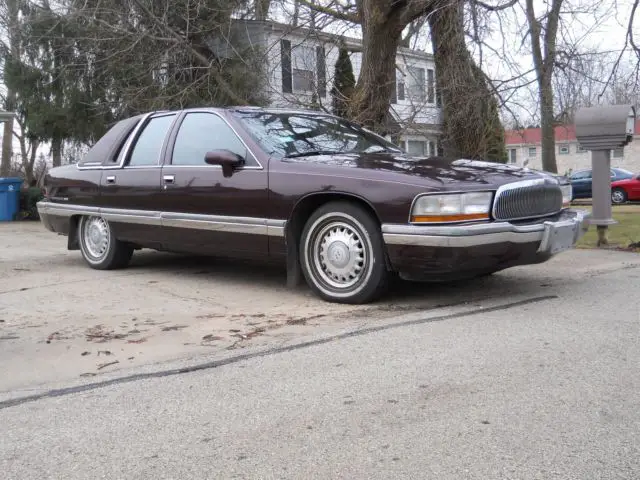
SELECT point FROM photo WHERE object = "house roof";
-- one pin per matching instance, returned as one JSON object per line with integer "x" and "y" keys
{"x": 304, "y": 31}
{"x": 533, "y": 136}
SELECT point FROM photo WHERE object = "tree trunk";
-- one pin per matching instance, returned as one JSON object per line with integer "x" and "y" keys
{"x": 544, "y": 64}
{"x": 372, "y": 95}
{"x": 7, "y": 142}
{"x": 56, "y": 151}
{"x": 12, "y": 12}
{"x": 471, "y": 126}
{"x": 548, "y": 146}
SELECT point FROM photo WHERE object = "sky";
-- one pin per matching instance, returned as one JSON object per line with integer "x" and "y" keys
{"x": 599, "y": 26}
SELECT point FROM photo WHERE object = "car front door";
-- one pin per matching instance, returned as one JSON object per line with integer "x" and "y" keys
{"x": 581, "y": 184}
{"x": 130, "y": 192}
{"x": 204, "y": 210}
{"x": 634, "y": 188}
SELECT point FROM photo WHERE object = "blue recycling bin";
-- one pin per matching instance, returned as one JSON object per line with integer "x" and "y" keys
{"x": 9, "y": 198}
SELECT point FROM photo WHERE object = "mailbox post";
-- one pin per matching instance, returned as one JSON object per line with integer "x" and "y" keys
{"x": 600, "y": 130}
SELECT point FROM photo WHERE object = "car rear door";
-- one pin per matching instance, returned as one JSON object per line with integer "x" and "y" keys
{"x": 202, "y": 209}
{"x": 130, "y": 192}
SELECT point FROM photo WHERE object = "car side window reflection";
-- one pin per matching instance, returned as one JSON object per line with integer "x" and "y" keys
{"x": 147, "y": 148}
{"x": 581, "y": 176}
{"x": 201, "y": 133}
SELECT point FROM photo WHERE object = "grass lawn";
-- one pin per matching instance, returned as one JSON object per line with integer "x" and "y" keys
{"x": 625, "y": 232}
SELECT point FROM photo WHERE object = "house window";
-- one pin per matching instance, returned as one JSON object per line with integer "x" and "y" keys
{"x": 532, "y": 151}
{"x": 617, "y": 153}
{"x": 416, "y": 84}
{"x": 513, "y": 154}
{"x": 415, "y": 147}
{"x": 432, "y": 149}
{"x": 303, "y": 68}
{"x": 579, "y": 148}
{"x": 564, "y": 150}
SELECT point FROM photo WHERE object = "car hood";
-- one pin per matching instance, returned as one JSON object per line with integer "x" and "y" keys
{"x": 440, "y": 172}
{"x": 625, "y": 181}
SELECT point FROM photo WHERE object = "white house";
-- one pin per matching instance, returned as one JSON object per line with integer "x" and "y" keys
{"x": 299, "y": 67}
{"x": 524, "y": 148}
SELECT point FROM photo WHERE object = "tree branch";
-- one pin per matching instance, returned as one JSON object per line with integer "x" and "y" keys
{"x": 345, "y": 16}
{"x": 496, "y": 8}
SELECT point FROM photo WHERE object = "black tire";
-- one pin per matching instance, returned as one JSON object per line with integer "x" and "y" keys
{"x": 618, "y": 196}
{"x": 358, "y": 272}
{"x": 99, "y": 247}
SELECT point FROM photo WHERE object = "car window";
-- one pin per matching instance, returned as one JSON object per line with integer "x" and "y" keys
{"x": 301, "y": 134}
{"x": 146, "y": 150}
{"x": 581, "y": 175}
{"x": 203, "y": 132}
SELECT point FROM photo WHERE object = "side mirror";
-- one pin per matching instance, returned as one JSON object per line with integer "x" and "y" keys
{"x": 225, "y": 158}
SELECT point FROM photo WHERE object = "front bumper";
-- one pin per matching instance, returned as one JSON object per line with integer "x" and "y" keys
{"x": 551, "y": 235}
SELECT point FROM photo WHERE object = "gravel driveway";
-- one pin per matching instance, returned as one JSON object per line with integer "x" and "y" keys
{"x": 62, "y": 321}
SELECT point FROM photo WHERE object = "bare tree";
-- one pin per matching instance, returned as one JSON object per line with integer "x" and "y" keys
{"x": 543, "y": 31}
{"x": 469, "y": 127}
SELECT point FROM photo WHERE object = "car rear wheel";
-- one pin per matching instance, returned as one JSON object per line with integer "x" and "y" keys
{"x": 342, "y": 254}
{"x": 99, "y": 247}
{"x": 618, "y": 196}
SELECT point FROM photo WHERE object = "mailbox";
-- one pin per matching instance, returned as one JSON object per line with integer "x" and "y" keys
{"x": 605, "y": 127}
{"x": 602, "y": 129}
{"x": 6, "y": 116}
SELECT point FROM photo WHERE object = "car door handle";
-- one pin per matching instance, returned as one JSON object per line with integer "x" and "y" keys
{"x": 169, "y": 179}
{"x": 111, "y": 180}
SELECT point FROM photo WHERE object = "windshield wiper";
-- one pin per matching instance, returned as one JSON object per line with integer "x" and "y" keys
{"x": 312, "y": 153}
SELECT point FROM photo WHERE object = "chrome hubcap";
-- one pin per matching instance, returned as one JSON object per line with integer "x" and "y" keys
{"x": 339, "y": 255}
{"x": 618, "y": 197}
{"x": 96, "y": 237}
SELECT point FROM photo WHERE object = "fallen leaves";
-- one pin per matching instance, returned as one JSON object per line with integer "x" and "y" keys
{"x": 99, "y": 334}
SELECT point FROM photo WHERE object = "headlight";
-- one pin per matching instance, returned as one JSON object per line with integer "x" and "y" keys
{"x": 452, "y": 207}
{"x": 567, "y": 193}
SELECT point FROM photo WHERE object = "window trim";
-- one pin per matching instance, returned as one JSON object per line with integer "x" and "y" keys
{"x": 564, "y": 145}
{"x": 535, "y": 149}
{"x": 168, "y": 153}
{"x": 312, "y": 70}
{"x": 135, "y": 136}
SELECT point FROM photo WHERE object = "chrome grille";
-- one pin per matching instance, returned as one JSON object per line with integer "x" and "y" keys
{"x": 529, "y": 199}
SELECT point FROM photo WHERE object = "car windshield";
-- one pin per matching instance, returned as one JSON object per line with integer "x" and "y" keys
{"x": 622, "y": 171}
{"x": 296, "y": 134}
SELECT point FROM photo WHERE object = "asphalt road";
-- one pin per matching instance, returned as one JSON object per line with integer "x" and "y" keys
{"x": 543, "y": 385}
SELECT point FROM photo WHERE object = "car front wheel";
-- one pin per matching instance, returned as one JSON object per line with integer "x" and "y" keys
{"x": 618, "y": 196}
{"x": 342, "y": 254}
{"x": 99, "y": 247}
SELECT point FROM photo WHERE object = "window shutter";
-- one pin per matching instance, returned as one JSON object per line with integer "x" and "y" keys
{"x": 285, "y": 52}
{"x": 400, "y": 90}
{"x": 430, "y": 86}
{"x": 321, "y": 71}
{"x": 394, "y": 89}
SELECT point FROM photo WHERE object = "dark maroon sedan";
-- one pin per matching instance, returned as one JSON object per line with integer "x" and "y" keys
{"x": 338, "y": 204}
